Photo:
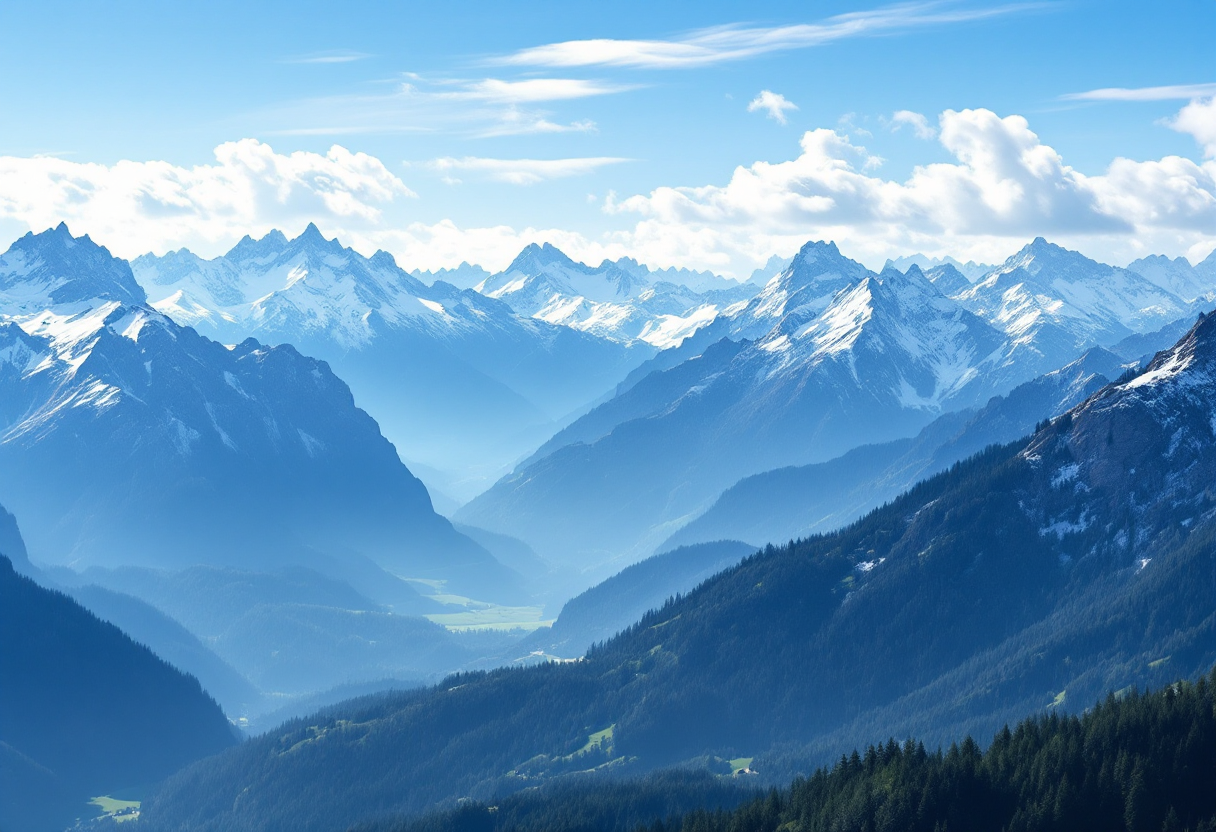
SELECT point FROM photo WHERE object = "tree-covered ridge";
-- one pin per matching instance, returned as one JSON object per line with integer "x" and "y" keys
{"x": 586, "y": 803}
{"x": 1135, "y": 762}
{"x": 84, "y": 710}
{"x": 1140, "y": 763}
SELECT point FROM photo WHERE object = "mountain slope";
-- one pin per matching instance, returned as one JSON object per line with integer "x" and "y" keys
{"x": 172, "y": 642}
{"x": 1036, "y": 575}
{"x": 84, "y": 710}
{"x": 608, "y": 608}
{"x": 828, "y": 357}
{"x": 458, "y": 381}
{"x": 1053, "y": 303}
{"x": 619, "y": 301}
{"x": 791, "y": 503}
{"x": 847, "y": 358}
{"x": 124, "y": 437}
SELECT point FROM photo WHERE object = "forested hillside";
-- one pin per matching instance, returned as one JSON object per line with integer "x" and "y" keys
{"x": 1134, "y": 762}
{"x": 1139, "y": 763}
{"x": 84, "y": 710}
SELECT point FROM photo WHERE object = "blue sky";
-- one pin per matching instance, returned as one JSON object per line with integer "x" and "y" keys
{"x": 482, "y": 126}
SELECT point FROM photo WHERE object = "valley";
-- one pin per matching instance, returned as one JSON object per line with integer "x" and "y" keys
{"x": 957, "y": 514}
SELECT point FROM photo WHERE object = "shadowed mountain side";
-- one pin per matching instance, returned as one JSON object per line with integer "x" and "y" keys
{"x": 128, "y": 439}
{"x": 610, "y": 607}
{"x": 173, "y": 643}
{"x": 84, "y": 710}
{"x": 294, "y": 631}
{"x": 457, "y": 380}
{"x": 792, "y": 503}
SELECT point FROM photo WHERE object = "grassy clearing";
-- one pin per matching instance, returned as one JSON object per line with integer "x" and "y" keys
{"x": 601, "y": 740}
{"x": 120, "y": 811}
{"x": 739, "y": 763}
{"x": 479, "y": 616}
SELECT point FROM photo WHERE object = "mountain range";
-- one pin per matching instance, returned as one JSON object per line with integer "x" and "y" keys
{"x": 128, "y": 439}
{"x": 1035, "y": 575}
{"x": 459, "y": 382}
{"x": 619, "y": 300}
{"x": 826, "y": 358}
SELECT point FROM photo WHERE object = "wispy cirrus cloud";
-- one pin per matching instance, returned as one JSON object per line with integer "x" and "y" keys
{"x": 335, "y": 57}
{"x": 521, "y": 171}
{"x": 774, "y": 104}
{"x": 719, "y": 44}
{"x": 478, "y": 107}
{"x": 1176, "y": 92}
{"x": 533, "y": 90}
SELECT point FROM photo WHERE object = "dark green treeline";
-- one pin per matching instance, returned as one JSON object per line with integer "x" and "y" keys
{"x": 1135, "y": 763}
{"x": 1140, "y": 763}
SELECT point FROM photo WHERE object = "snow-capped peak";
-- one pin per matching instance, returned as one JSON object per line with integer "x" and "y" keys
{"x": 1066, "y": 301}
{"x": 54, "y": 268}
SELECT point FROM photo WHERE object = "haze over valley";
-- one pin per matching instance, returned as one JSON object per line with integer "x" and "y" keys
{"x": 610, "y": 419}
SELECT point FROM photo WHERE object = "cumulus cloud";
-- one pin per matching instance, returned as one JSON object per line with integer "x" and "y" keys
{"x": 1199, "y": 120}
{"x": 1003, "y": 187}
{"x": 919, "y": 124}
{"x": 773, "y": 104}
{"x": 736, "y": 42}
{"x": 522, "y": 171}
{"x": 140, "y": 206}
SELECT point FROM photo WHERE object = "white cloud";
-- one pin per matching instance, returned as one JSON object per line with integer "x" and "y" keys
{"x": 1004, "y": 187}
{"x": 919, "y": 124}
{"x": 135, "y": 207}
{"x": 773, "y": 103}
{"x": 534, "y": 90}
{"x": 522, "y": 171}
{"x": 475, "y": 107}
{"x": 731, "y": 43}
{"x": 1199, "y": 120}
{"x": 516, "y": 122}
{"x": 327, "y": 58}
{"x": 1170, "y": 93}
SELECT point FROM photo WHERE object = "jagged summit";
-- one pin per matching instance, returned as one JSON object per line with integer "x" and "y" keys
{"x": 815, "y": 256}
{"x": 543, "y": 255}
{"x": 949, "y": 279}
{"x": 1193, "y": 357}
{"x": 54, "y": 268}
{"x": 250, "y": 249}
{"x": 1040, "y": 255}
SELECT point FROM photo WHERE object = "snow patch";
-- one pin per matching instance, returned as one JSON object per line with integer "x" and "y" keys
{"x": 433, "y": 306}
{"x": 1170, "y": 368}
{"x": 1067, "y": 473}
{"x": 1064, "y": 527}
{"x": 235, "y": 383}
{"x": 312, "y": 446}
{"x": 224, "y": 437}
